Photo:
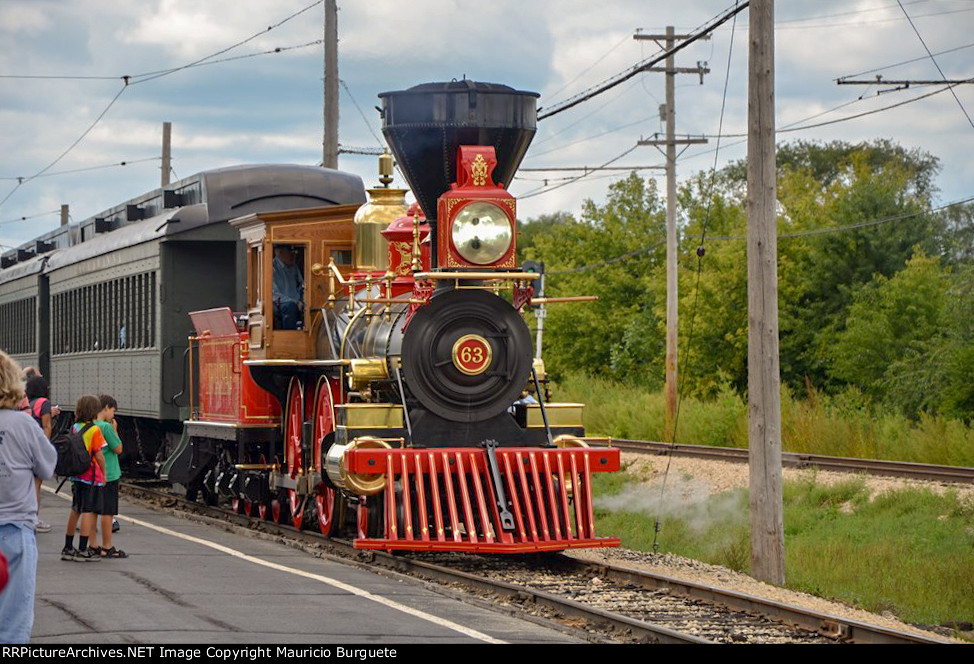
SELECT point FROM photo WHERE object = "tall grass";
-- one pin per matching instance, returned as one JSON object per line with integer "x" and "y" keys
{"x": 908, "y": 552}
{"x": 842, "y": 425}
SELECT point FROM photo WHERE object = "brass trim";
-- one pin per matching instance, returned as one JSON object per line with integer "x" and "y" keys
{"x": 485, "y": 362}
{"x": 365, "y": 370}
{"x": 559, "y": 415}
{"x": 371, "y": 416}
{"x": 567, "y": 440}
{"x": 360, "y": 483}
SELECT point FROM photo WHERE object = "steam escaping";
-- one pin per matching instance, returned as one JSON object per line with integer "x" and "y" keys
{"x": 687, "y": 500}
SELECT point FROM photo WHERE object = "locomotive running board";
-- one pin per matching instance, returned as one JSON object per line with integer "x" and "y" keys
{"x": 453, "y": 506}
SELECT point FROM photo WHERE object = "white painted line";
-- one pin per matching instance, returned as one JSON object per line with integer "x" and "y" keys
{"x": 436, "y": 620}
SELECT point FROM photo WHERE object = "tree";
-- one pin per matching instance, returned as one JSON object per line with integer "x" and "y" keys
{"x": 611, "y": 252}
{"x": 892, "y": 332}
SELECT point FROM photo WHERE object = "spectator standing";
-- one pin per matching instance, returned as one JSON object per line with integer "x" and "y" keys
{"x": 24, "y": 455}
{"x": 40, "y": 409}
{"x": 113, "y": 472}
{"x": 87, "y": 488}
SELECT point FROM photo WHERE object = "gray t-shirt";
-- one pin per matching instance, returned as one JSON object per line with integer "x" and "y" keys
{"x": 25, "y": 453}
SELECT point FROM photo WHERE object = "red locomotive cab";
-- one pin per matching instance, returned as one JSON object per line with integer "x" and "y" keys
{"x": 227, "y": 391}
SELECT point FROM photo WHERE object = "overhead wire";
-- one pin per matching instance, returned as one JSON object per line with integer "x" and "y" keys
{"x": 127, "y": 162}
{"x": 681, "y": 381}
{"x": 28, "y": 217}
{"x": 639, "y": 67}
{"x": 22, "y": 181}
{"x": 543, "y": 190}
{"x": 904, "y": 62}
{"x": 935, "y": 64}
{"x": 142, "y": 78}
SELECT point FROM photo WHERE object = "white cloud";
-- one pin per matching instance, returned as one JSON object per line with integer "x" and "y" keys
{"x": 268, "y": 108}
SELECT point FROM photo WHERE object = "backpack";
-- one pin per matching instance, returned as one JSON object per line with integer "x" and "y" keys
{"x": 36, "y": 406}
{"x": 72, "y": 455}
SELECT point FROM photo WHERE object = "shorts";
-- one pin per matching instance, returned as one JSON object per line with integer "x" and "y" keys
{"x": 86, "y": 498}
{"x": 109, "y": 502}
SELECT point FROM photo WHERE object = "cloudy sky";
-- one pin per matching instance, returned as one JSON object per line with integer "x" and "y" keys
{"x": 67, "y": 120}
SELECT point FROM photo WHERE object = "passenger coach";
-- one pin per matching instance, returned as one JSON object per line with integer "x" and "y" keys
{"x": 101, "y": 306}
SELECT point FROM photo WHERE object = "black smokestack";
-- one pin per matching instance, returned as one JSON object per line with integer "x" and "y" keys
{"x": 425, "y": 125}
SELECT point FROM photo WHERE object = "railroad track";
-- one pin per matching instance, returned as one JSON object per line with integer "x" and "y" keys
{"x": 918, "y": 471}
{"x": 608, "y": 603}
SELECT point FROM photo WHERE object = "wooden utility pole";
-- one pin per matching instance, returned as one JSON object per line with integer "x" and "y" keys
{"x": 763, "y": 375}
{"x": 672, "y": 280}
{"x": 166, "y": 152}
{"x": 329, "y": 151}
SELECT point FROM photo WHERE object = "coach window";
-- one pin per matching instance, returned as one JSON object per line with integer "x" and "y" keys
{"x": 288, "y": 287}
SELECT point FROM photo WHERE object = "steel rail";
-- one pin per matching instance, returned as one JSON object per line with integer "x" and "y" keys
{"x": 832, "y": 627}
{"x": 343, "y": 551}
{"x": 919, "y": 471}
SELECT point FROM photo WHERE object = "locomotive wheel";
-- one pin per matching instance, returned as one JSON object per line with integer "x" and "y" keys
{"x": 263, "y": 508}
{"x": 324, "y": 429}
{"x": 296, "y": 504}
{"x": 293, "y": 422}
{"x": 371, "y": 517}
{"x": 276, "y": 513}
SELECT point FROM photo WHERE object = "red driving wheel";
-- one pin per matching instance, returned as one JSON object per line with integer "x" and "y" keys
{"x": 293, "y": 421}
{"x": 324, "y": 425}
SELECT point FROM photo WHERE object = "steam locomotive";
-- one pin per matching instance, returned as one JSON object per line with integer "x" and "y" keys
{"x": 381, "y": 380}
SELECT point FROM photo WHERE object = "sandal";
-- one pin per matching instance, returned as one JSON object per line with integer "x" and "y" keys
{"x": 113, "y": 553}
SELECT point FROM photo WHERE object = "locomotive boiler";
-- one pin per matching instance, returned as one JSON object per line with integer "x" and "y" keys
{"x": 382, "y": 379}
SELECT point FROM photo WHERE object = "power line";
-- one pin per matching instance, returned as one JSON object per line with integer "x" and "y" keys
{"x": 91, "y": 168}
{"x": 934, "y": 60}
{"x": 818, "y": 231}
{"x": 904, "y": 62}
{"x": 852, "y": 227}
{"x": 544, "y": 190}
{"x": 641, "y": 66}
{"x": 878, "y": 20}
{"x": 142, "y": 78}
{"x": 23, "y": 181}
{"x": 33, "y": 216}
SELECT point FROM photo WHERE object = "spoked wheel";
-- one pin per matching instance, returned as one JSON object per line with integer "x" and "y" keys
{"x": 370, "y": 517}
{"x": 294, "y": 418}
{"x": 326, "y": 500}
{"x": 276, "y": 513}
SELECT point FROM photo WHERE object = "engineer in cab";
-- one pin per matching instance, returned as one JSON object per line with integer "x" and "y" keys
{"x": 288, "y": 285}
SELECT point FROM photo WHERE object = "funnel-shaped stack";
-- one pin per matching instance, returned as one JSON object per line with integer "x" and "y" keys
{"x": 425, "y": 124}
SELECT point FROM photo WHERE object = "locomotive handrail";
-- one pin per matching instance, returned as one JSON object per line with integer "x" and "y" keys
{"x": 571, "y": 298}
{"x": 493, "y": 276}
